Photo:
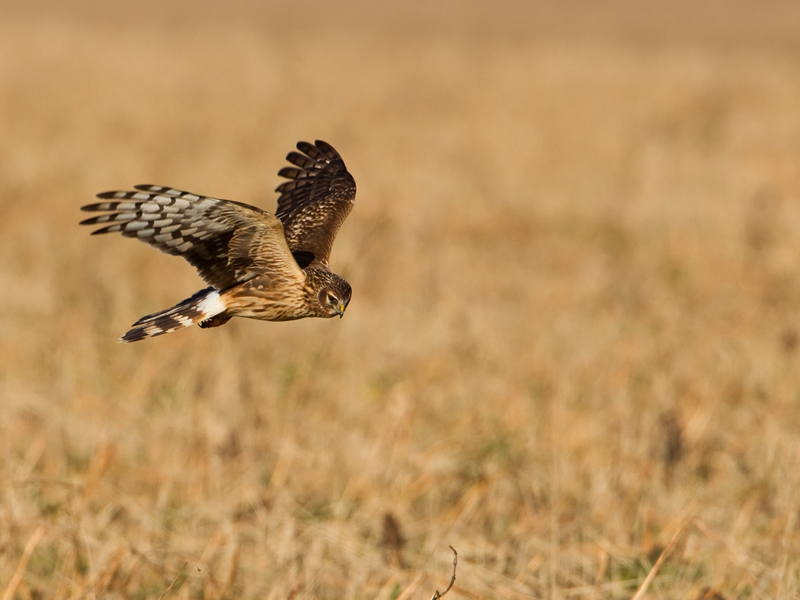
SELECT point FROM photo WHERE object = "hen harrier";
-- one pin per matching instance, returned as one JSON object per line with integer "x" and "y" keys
{"x": 259, "y": 265}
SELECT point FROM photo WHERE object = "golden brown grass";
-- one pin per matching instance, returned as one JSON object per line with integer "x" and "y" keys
{"x": 574, "y": 330}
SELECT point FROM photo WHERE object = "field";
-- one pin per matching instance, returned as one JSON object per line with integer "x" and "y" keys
{"x": 574, "y": 340}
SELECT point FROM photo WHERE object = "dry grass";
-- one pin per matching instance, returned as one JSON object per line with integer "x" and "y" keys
{"x": 574, "y": 328}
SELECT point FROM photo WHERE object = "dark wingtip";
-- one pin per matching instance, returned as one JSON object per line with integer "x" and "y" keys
{"x": 136, "y": 334}
{"x": 93, "y": 221}
{"x": 289, "y": 172}
{"x": 326, "y": 149}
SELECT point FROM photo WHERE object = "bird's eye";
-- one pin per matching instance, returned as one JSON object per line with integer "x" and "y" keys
{"x": 332, "y": 299}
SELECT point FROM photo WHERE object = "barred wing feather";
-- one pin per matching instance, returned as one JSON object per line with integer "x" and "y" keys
{"x": 227, "y": 242}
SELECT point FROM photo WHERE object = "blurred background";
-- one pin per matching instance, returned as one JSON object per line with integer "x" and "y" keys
{"x": 574, "y": 331}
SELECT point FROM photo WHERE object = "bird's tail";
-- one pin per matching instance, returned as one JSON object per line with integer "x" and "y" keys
{"x": 205, "y": 304}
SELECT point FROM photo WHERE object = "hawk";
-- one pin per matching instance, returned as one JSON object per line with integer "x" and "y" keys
{"x": 258, "y": 265}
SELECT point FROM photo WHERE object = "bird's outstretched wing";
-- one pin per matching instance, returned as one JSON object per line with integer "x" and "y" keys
{"x": 315, "y": 203}
{"x": 227, "y": 242}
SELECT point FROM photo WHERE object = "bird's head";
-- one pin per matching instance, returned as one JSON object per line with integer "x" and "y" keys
{"x": 335, "y": 296}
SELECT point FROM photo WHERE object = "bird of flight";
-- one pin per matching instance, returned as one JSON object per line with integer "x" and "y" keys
{"x": 258, "y": 265}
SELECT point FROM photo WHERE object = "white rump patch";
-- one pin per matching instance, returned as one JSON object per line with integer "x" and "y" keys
{"x": 211, "y": 305}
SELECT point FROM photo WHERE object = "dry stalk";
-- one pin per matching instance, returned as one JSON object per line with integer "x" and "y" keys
{"x": 436, "y": 594}
{"x": 662, "y": 557}
{"x": 412, "y": 587}
{"x": 8, "y": 594}
{"x": 601, "y": 571}
{"x": 174, "y": 581}
{"x": 230, "y": 579}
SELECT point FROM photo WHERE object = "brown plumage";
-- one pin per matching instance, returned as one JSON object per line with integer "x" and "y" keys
{"x": 258, "y": 265}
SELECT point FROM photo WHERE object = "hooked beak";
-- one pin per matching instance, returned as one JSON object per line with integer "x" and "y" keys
{"x": 340, "y": 310}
